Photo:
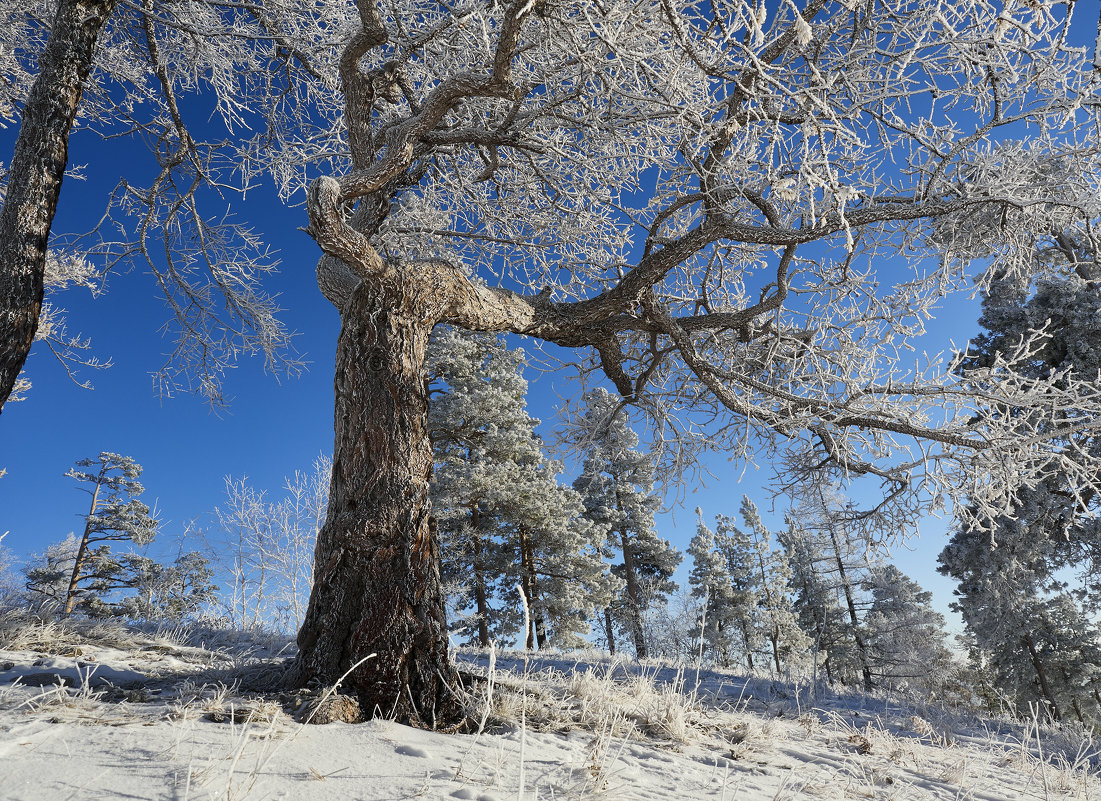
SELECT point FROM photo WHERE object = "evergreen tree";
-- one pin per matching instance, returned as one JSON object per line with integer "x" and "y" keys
{"x": 617, "y": 484}
{"x": 712, "y": 583}
{"x": 817, "y": 602}
{"x": 1031, "y": 633}
{"x": 170, "y": 592}
{"x": 779, "y": 624}
{"x": 114, "y": 515}
{"x": 502, "y": 516}
{"x": 836, "y": 547}
{"x": 905, "y": 635}
{"x": 748, "y": 590}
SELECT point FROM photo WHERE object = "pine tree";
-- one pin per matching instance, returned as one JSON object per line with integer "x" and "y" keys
{"x": 711, "y": 582}
{"x": 905, "y": 635}
{"x": 817, "y": 602}
{"x": 777, "y": 619}
{"x": 748, "y": 590}
{"x": 170, "y": 592}
{"x": 617, "y": 484}
{"x": 114, "y": 515}
{"x": 839, "y": 549}
{"x": 503, "y": 518}
{"x": 1031, "y": 634}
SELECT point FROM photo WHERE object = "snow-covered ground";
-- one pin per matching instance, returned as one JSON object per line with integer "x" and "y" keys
{"x": 105, "y": 713}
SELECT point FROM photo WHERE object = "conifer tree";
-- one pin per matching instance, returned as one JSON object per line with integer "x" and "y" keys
{"x": 617, "y": 484}
{"x": 904, "y": 634}
{"x": 712, "y": 583}
{"x": 502, "y": 516}
{"x": 748, "y": 589}
{"x": 817, "y": 602}
{"x": 839, "y": 549}
{"x": 777, "y": 619}
{"x": 1031, "y": 634}
{"x": 114, "y": 515}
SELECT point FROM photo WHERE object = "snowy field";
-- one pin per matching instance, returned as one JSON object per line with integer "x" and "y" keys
{"x": 105, "y": 712}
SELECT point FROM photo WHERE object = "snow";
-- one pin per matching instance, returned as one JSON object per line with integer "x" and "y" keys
{"x": 170, "y": 721}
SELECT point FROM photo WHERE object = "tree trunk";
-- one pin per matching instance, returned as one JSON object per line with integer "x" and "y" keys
{"x": 861, "y": 646}
{"x": 747, "y": 639}
{"x": 82, "y": 551}
{"x": 1041, "y": 675}
{"x": 535, "y": 634}
{"x": 609, "y": 630}
{"x": 34, "y": 180}
{"x": 481, "y": 601}
{"x": 377, "y": 594}
{"x": 634, "y": 596}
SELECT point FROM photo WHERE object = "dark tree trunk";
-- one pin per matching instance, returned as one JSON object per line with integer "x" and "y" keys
{"x": 747, "y": 638}
{"x": 1041, "y": 676}
{"x": 531, "y": 591}
{"x": 82, "y": 551}
{"x": 481, "y": 600}
{"x": 377, "y": 593}
{"x": 634, "y": 596}
{"x": 609, "y": 630}
{"x": 34, "y": 180}
{"x": 854, "y": 620}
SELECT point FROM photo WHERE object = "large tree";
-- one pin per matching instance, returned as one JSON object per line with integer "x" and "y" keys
{"x": 728, "y": 209}
{"x": 699, "y": 198}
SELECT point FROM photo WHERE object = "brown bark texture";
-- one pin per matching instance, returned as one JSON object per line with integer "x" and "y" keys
{"x": 34, "y": 180}
{"x": 377, "y": 607}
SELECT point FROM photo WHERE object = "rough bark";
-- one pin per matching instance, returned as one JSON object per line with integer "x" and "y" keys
{"x": 34, "y": 180}
{"x": 377, "y": 594}
{"x": 609, "y": 630}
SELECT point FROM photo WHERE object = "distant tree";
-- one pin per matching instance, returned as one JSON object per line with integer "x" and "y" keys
{"x": 748, "y": 593}
{"x": 838, "y": 546}
{"x": 503, "y": 518}
{"x": 777, "y": 620}
{"x": 617, "y": 484}
{"x": 722, "y": 606}
{"x": 169, "y": 592}
{"x": 817, "y": 603}
{"x": 10, "y": 585}
{"x": 114, "y": 515}
{"x": 905, "y": 636}
{"x": 268, "y": 547}
{"x": 49, "y": 572}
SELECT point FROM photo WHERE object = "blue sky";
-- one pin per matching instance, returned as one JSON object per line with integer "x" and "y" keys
{"x": 272, "y": 427}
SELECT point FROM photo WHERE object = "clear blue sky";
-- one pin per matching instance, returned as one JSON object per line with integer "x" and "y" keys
{"x": 271, "y": 428}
